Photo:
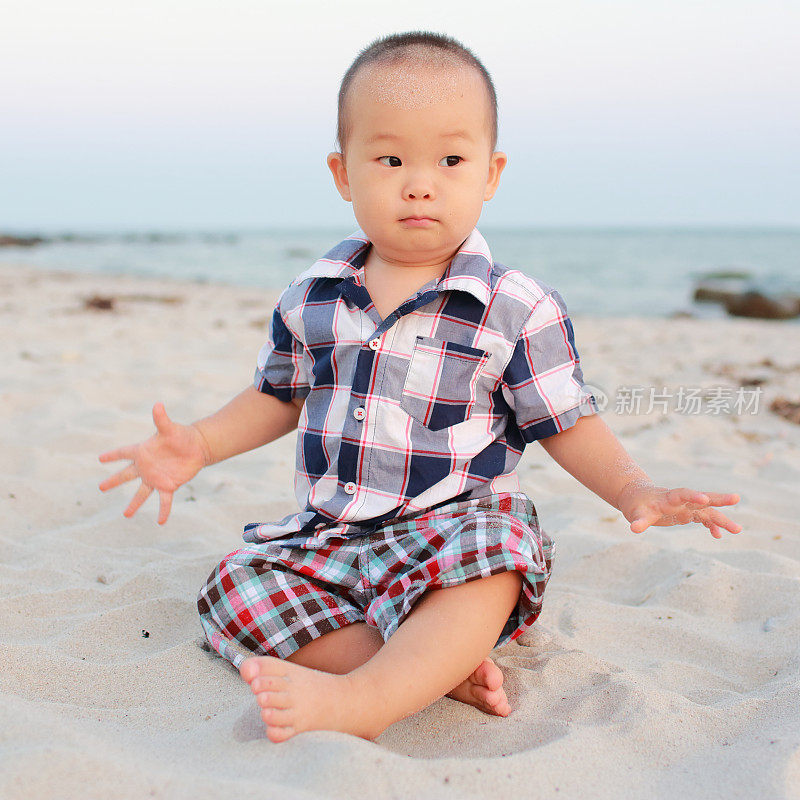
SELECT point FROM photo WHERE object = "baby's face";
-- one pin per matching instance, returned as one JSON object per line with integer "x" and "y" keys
{"x": 419, "y": 146}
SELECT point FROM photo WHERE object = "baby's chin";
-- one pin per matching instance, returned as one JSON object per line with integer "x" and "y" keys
{"x": 418, "y": 245}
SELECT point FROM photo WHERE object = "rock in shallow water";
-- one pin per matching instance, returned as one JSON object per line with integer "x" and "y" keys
{"x": 741, "y": 297}
{"x": 20, "y": 241}
{"x": 761, "y": 306}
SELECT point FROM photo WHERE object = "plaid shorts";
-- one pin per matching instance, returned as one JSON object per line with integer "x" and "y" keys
{"x": 274, "y": 597}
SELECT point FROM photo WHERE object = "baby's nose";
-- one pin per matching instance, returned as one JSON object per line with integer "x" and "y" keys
{"x": 419, "y": 194}
{"x": 419, "y": 188}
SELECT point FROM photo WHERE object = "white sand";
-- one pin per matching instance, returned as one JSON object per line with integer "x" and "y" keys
{"x": 663, "y": 665}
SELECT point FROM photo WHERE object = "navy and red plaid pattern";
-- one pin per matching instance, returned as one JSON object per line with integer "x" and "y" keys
{"x": 435, "y": 393}
{"x": 275, "y": 597}
{"x": 432, "y": 404}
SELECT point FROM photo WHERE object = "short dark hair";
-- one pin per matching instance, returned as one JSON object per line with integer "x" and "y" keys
{"x": 398, "y": 47}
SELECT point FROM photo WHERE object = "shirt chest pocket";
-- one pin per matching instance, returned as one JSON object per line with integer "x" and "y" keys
{"x": 441, "y": 382}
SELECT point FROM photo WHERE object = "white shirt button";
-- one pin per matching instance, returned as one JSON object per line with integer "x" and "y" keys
{"x": 350, "y": 488}
{"x": 374, "y": 344}
{"x": 359, "y": 413}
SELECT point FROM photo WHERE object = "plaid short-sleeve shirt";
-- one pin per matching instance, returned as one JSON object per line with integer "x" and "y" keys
{"x": 433, "y": 404}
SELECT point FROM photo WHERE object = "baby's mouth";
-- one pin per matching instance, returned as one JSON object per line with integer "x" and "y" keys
{"x": 418, "y": 220}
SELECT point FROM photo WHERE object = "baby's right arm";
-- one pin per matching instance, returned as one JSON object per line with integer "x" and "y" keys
{"x": 176, "y": 453}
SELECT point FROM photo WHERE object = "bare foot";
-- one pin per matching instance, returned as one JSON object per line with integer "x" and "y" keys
{"x": 484, "y": 690}
{"x": 294, "y": 698}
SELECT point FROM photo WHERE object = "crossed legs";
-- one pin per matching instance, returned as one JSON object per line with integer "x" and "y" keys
{"x": 349, "y": 647}
{"x": 351, "y": 681}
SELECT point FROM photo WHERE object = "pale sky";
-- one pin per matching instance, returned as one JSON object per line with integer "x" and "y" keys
{"x": 198, "y": 114}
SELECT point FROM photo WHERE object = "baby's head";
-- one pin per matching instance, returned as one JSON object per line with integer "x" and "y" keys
{"x": 412, "y": 66}
{"x": 417, "y": 132}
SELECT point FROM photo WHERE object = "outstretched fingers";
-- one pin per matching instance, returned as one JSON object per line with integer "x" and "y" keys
{"x": 705, "y": 512}
{"x": 714, "y": 520}
{"x": 681, "y": 497}
{"x": 119, "y": 454}
{"x": 141, "y": 495}
{"x": 123, "y": 476}
{"x": 717, "y": 499}
{"x": 165, "y": 505}
{"x": 674, "y": 507}
{"x": 701, "y": 499}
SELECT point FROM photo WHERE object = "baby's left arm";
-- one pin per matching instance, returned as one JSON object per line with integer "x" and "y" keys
{"x": 592, "y": 454}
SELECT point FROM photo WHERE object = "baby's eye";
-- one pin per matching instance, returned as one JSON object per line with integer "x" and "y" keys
{"x": 449, "y": 164}
{"x": 399, "y": 163}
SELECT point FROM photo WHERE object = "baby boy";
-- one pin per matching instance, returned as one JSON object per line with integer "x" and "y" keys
{"x": 415, "y": 369}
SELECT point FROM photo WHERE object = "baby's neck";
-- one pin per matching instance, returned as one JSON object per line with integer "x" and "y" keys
{"x": 389, "y": 284}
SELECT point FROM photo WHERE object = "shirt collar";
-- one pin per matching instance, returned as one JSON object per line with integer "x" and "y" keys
{"x": 470, "y": 269}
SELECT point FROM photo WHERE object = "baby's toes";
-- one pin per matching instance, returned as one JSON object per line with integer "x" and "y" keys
{"x": 279, "y": 734}
{"x": 278, "y": 717}
{"x": 268, "y": 683}
{"x": 261, "y": 666}
{"x": 273, "y": 699}
{"x": 488, "y": 674}
{"x": 490, "y": 696}
{"x": 494, "y": 701}
{"x": 501, "y": 707}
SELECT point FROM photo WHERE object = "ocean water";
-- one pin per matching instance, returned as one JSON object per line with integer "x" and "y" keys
{"x": 639, "y": 272}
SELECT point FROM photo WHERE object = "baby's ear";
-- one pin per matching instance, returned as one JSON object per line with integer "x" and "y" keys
{"x": 496, "y": 166}
{"x": 339, "y": 172}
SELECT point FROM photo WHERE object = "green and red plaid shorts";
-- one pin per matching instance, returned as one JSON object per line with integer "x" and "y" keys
{"x": 273, "y": 598}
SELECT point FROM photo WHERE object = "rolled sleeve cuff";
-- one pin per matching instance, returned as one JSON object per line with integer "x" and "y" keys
{"x": 284, "y": 392}
{"x": 557, "y": 423}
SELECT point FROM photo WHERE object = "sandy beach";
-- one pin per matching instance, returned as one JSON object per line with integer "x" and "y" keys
{"x": 663, "y": 665}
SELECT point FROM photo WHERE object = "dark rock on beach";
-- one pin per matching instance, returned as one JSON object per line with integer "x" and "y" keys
{"x": 788, "y": 409}
{"x": 736, "y": 292}
{"x": 761, "y": 306}
{"x": 717, "y": 287}
{"x": 20, "y": 241}
{"x": 99, "y": 303}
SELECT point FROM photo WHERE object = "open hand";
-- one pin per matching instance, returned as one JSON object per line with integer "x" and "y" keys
{"x": 644, "y": 506}
{"x": 165, "y": 461}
